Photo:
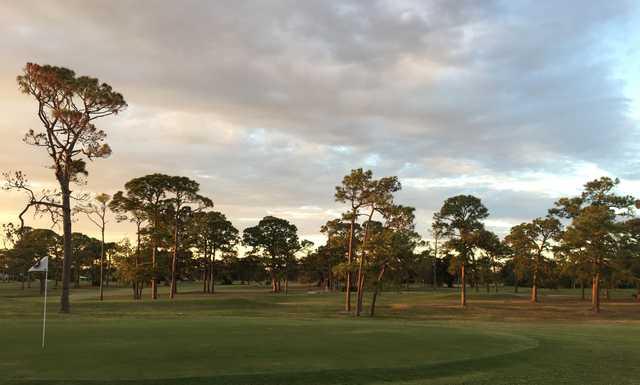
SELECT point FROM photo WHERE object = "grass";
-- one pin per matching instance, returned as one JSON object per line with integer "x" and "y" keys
{"x": 245, "y": 335}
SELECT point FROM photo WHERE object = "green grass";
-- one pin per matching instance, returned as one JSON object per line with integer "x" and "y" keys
{"x": 245, "y": 335}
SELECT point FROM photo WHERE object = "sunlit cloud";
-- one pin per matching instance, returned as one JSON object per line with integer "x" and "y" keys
{"x": 269, "y": 105}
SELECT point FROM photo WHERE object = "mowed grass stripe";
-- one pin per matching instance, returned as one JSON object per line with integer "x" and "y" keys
{"x": 115, "y": 349}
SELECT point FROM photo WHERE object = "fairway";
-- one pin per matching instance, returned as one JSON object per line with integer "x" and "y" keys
{"x": 243, "y": 335}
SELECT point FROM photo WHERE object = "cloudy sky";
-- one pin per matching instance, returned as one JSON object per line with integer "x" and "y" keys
{"x": 269, "y": 103}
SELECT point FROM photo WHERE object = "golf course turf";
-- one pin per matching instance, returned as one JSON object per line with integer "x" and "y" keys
{"x": 245, "y": 335}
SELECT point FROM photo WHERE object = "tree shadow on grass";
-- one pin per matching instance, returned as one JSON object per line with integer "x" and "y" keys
{"x": 326, "y": 377}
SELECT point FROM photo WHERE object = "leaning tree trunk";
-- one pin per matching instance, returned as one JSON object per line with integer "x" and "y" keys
{"x": 377, "y": 290}
{"x": 65, "y": 306}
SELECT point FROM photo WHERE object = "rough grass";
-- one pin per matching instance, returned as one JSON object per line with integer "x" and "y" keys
{"x": 245, "y": 335}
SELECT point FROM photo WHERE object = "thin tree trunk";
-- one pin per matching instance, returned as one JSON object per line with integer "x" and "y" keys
{"x": 377, "y": 290}
{"x": 435, "y": 264}
{"x": 347, "y": 305}
{"x": 107, "y": 275}
{"x": 212, "y": 280}
{"x": 534, "y": 286}
{"x": 203, "y": 277}
{"x": 65, "y": 306}
{"x": 102, "y": 265}
{"x": 596, "y": 293}
{"x": 136, "y": 291}
{"x": 154, "y": 255}
{"x": 463, "y": 291}
{"x": 286, "y": 284}
{"x": 174, "y": 261}
{"x": 77, "y": 282}
{"x": 582, "y": 290}
{"x": 361, "y": 273}
{"x": 206, "y": 268}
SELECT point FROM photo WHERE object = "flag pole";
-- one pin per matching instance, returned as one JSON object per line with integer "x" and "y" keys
{"x": 44, "y": 316}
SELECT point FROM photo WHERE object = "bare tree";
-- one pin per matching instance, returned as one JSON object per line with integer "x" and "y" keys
{"x": 96, "y": 212}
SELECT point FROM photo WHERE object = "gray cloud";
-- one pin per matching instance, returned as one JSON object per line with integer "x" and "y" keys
{"x": 268, "y": 104}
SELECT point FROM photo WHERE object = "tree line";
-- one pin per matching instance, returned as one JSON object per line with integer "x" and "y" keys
{"x": 589, "y": 240}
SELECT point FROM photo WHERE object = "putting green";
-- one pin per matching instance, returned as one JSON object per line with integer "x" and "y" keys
{"x": 236, "y": 349}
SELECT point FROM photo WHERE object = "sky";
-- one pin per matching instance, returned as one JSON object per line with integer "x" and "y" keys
{"x": 268, "y": 104}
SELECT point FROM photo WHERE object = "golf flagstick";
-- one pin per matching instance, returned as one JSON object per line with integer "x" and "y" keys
{"x": 43, "y": 265}
{"x": 44, "y": 313}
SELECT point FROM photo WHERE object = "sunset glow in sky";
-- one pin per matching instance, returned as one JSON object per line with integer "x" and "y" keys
{"x": 268, "y": 104}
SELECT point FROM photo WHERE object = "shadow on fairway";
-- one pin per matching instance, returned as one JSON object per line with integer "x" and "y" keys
{"x": 326, "y": 377}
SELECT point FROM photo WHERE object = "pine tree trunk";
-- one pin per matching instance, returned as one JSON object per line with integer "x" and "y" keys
{"x": 212, "y": 279}
{"x": 463, "y": 287}
{"x": 377, "y": 290}
{"x": 435, "y": 265}
{"x": 174, "y": 261}
{"x": 596, "y": 293}
{"x": 107, "y": 275}
{"x": 347, "y": 305}
{"x": 136, "y": 291}
{"x": 534, "y": 287}
{"x": 286, "y": 285}
{"x": 65, "y": 306}
{"x": 102, "y": 266}
{"x": 361, "y": 273}
{"x": 154, "y": 255}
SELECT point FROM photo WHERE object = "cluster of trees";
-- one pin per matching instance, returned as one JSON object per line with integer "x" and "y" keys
{"x": 589, "y": 240}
